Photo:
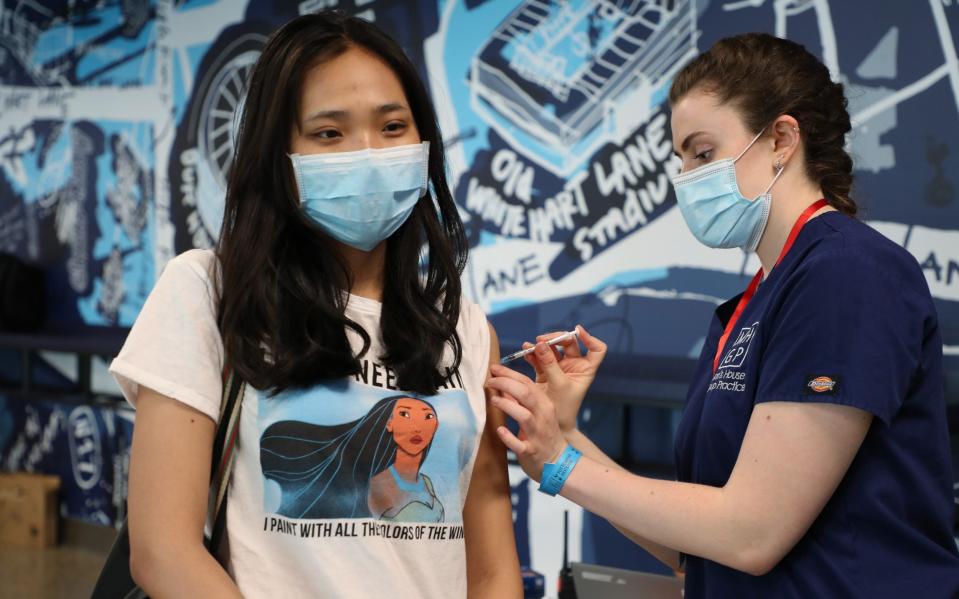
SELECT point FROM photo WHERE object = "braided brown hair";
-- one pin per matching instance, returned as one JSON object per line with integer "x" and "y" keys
{"x": 765, "y": 77}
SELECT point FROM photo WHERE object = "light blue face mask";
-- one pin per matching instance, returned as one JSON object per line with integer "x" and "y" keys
{"x": 361, "y": 198}
{"x": 715, "y": 210}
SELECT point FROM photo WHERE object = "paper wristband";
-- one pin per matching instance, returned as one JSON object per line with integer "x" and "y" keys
{"x": 555, "y": 475}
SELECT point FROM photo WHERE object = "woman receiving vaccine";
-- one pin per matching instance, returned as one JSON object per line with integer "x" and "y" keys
{"x": 812, "y": 456}
{"x": 334, "y": 285}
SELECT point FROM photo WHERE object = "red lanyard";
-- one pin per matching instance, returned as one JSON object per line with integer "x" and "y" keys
{"x": 751, "y": 290}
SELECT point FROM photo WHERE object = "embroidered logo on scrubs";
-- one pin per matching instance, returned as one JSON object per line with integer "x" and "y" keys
{"x": 730, "y": 375}
{"x": 736, "y": 355}
{"x": 822, "y": 385}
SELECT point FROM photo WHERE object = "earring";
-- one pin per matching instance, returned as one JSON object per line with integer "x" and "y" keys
{"x": 796, "y": 129}
{"x": 779, "y": 164}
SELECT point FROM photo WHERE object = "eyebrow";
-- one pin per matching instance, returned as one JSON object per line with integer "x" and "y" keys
{"x": 340, "y": 114}
{"x": 689, "y": 139}
{"x": 425, "y": 408}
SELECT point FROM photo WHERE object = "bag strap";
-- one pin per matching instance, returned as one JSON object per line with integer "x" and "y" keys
{"x": 224, "y": 453}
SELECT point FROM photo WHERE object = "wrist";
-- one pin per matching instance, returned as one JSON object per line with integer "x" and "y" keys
{"x": 573, "y": 436}
{"x": 558, "y": 452}
{"x": 569, "y": 419}
{"x": 555, "y": 473}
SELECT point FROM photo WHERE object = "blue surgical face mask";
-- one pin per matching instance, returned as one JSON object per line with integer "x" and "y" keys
{"x": 361, "y": 198}
{"x": 715, "y": 210}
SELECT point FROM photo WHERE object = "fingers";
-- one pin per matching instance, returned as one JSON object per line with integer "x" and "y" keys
{"x": 548, "y": 363}
{"x": 498, "y": 370}
{"x": 511, "y": 442}
{"x": 536, "y": 441}
{"x": 569, "y": 346}
{"x": 574, "y": 349}
{"x": 512, "y": 409}
{"x": 596, "y": 349}
{"x": 540, "y": 436}
{"x": 532, "y": 360}
{"x": 517, "y": 389}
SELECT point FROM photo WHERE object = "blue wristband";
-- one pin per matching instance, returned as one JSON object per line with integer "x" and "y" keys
{"x": 555, "y": 475}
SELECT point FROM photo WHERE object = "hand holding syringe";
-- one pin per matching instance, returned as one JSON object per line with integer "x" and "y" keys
{"x": 565, "y": 372}
{"x": 529, "y": 350}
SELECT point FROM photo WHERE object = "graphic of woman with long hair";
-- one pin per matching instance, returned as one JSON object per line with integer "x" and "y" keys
{"x": 340, "y": 471}
{"x": 401, "y": 492}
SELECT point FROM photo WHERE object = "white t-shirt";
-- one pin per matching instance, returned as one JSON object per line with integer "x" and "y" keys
{"x": 347, "y": 489}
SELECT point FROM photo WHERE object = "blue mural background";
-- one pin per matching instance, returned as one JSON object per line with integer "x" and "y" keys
{"x": 88, "y": 447}
{"x": 117, "y": 127}
{"x": 117, "y": 121}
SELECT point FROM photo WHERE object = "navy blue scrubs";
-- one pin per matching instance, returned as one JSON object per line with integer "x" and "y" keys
{"x": 846, "y": 318}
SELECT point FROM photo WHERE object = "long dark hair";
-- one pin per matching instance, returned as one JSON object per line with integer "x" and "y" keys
{"x": 325, "y": 471}
{"x": 281, "y": 309}
{"x": 765, "y": 77}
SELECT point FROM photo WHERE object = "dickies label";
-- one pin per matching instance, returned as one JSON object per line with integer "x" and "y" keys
{"x": 821, "y": 384}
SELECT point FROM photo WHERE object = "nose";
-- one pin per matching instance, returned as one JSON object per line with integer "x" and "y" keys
{"x": 372, "y": 138}
{"x": 361, "y": 141}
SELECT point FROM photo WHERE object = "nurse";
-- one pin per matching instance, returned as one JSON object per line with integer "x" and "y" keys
{"x": 813, "y": 456}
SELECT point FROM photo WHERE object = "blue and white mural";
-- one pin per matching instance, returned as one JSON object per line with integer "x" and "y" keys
{"x": 88, "y": 447}
{"x": 563, "y": 153}
{"x": 117, "y": 122}
{"x": 117, "y": 125}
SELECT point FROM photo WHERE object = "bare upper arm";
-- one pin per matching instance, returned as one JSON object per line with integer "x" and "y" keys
{"x": 492, "y": 563}
{"x": 169, "y": 474}
{"x": 490, "y": 466}
{"x": 793, "y": 457}
{"x": 494, "y": 356}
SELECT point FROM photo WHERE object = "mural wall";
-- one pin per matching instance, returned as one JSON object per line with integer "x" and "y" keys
{"x": 117, "y": 121}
